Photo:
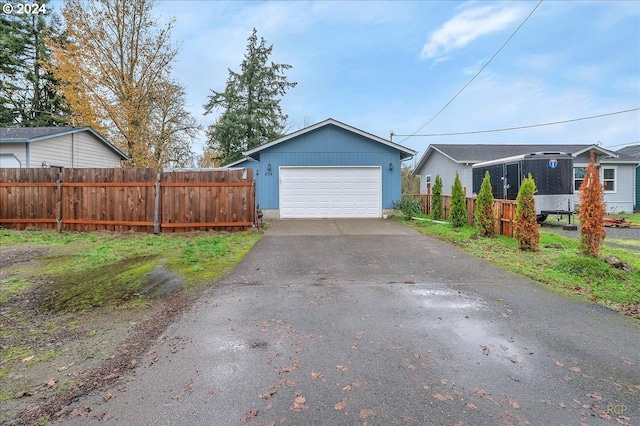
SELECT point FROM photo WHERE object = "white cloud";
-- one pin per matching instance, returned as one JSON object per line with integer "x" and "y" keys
{"x": 469, "y": 25}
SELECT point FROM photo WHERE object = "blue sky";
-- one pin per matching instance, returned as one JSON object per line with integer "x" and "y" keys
{"x": 391, "y": 66}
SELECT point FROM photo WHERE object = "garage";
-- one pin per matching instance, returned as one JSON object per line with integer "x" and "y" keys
{"x": 330, "y": 192}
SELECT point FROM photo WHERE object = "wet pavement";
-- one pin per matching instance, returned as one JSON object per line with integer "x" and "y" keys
{"x": 379, "y": 329}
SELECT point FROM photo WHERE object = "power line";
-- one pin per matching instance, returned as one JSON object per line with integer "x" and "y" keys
{"x": 504, "y": 129}
{"x": 477, "y": 74}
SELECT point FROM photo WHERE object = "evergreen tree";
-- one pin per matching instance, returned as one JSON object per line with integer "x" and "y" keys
{"x": 29, "y": 94}
{"x": 436, "y": 199}
{"x": 458, "y": 204}
{"x": 483, "y": 216}
{"x": 592, "y": 211}
{"x": 251, "y": 113}
{"x": 526, "y": 230}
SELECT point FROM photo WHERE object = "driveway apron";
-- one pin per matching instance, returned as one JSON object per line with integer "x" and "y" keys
{"x": 353, "y": 322}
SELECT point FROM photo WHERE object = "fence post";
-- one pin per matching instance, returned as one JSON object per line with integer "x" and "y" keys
{"x": 156, "y": 207}
{"x": 59, "y": 206}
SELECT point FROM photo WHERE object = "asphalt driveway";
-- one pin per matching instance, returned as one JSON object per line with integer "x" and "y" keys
{"x": 368, "y": 322}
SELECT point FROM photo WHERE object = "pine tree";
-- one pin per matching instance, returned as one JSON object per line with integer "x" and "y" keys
{"x": 436, "y": 199}
{"x": 526, "y": 230}
{"x": 592, "y": 211}
{"x": 29, "y": 93}
{"x": 251, "y": 113}
{"x": 483, "y": 216}
{"x": 458, "y": 204}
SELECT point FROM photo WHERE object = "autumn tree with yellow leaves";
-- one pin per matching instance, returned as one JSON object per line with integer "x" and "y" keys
{"x": 115, "y": 74}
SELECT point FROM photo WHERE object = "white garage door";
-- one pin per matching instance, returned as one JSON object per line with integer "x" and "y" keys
{"x": 324, "y": 192}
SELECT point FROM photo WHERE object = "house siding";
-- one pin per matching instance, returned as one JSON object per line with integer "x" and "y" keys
{"x": 438, "y": 164}
{"x": 327, "y": 146}
{"x": 17, "y": 149}
{"x": 80, "y": 150}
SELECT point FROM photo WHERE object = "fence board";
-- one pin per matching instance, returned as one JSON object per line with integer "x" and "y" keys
{"x": 504, "y": 211}
{"x": 127, "y": 199}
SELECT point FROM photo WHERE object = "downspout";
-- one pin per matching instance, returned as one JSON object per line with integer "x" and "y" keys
{"x": 27, "y": 154}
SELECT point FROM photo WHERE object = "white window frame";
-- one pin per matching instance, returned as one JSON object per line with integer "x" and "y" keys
{"x": 427, "y": 182}
{"x": 575, "y": 167}
{"x": 615, "y": 178}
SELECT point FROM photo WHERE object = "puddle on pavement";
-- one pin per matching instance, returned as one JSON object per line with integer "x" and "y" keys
{"x": 437, "y": 298}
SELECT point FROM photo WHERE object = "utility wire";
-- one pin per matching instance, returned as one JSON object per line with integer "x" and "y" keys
{"x": 477, "y": 74}
{"x": 475, "y": 132}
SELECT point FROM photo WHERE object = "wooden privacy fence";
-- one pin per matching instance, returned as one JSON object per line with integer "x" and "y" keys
{"x": 144, "y": 200}
{"x": 504, "y": 211}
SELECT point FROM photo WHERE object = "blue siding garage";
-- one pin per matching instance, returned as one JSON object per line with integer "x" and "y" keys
{"x": 319, "y": 154}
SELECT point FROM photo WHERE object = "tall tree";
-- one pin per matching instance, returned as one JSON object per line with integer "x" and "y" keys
{"x": 592, "y": 210}
{"x": 251, "y": 113}
{"x": 410, "y": 183}
{"x": 115, "y": 73}
{"x": 29, "y": 94}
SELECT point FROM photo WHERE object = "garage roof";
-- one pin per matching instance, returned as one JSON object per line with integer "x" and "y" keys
{"x": 404, "y": 151}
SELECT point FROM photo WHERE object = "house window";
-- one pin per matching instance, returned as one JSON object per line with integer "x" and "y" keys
{"x": 427, "y": 182}
{"x": 609, "y": 179}
{"x": 578, "y": 177}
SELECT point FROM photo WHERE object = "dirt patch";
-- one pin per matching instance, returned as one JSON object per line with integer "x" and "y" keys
{"x": 50, "y": 357}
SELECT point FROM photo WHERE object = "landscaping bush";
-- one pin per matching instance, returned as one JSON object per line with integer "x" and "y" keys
{"x": 436, "y": 199}
{"x": 483, "y": 216}
{"x": 526, "y": 230}
{"x": 592, "y": 211}
{"x": 458, "y": 204}
{"x": 409, "y": 207}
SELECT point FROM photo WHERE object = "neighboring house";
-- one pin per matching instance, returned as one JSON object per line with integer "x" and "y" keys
{"x": 32, "y": 147}
{"x": 616, "y": 172}
{"x": 632, "y": 153}
{"x": 329, "y": 169}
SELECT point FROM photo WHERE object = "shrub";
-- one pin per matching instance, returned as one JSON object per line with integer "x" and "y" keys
{"x": 458, "y": 204}
{"x": 436, "y": 199}
{"x": 592, "y": 210}
{"x": 408, "y": 206}
{"x": 526, "y": 230}
{"x": 483, "y": 216}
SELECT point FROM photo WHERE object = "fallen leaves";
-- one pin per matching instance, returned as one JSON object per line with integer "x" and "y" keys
{"x": 440, "y": 397}
{"x": 342, "y": 404}
{"x": 316, "y": 375}
{"x": 365, "y": 413}
{"x": 249, "y": 415}
{"x": 299, "y": 403}
{"x": 107, "y": 396}
{"x": 341, "y": 368}
{"x": 485, "y": 350}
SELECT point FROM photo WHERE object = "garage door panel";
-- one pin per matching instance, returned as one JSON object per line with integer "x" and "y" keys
{"x": 324, "y": 192}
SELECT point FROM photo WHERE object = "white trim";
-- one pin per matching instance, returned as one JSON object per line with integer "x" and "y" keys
{"x": 11, "y": 154}
{"x": 615, "y": 178}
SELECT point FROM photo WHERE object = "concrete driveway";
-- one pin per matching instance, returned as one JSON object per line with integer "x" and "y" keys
{"x": 321, "y": 324}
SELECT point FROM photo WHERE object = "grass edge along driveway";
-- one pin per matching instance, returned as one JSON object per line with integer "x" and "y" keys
{"x": 78, "y": 309}
{"x": 558, "y": 263}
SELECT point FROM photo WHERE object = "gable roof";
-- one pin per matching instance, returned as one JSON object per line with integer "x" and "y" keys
{"x": 477, "y": 153}
{"x": 405, "y": 152}
{"x": 37, "y": 134}
{"x": 631, "y": 152}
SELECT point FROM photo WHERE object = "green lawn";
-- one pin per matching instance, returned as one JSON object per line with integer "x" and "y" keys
{"x": 557, "y": 263}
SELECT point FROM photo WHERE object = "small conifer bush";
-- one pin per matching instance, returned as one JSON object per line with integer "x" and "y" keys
{"x": 436, "y": 199}
{"x": 526, "y": 230}
{"x": 458, "y": 204}
{"x": 483, "y": 216}
{"x": 592, "y": 211}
